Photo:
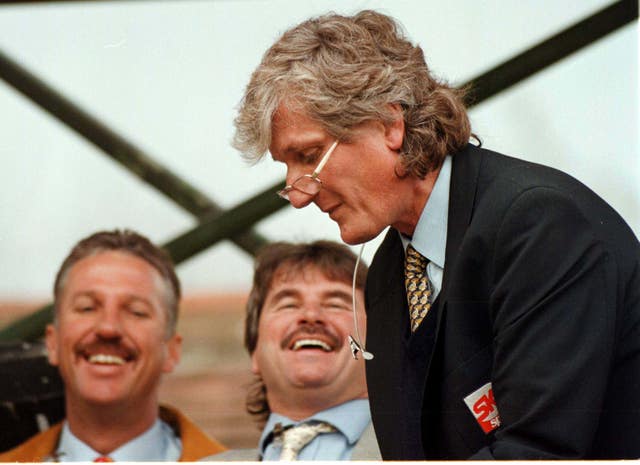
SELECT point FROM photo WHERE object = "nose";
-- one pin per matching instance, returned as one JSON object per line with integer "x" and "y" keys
{"x": 312, "y": 313}
{"x": 109, "y": 324}
{"x": 299, "y": 199}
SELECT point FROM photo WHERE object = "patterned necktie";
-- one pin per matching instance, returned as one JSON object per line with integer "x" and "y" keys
{"x": 418, "y": 286}
{"x": 296, "y": 437}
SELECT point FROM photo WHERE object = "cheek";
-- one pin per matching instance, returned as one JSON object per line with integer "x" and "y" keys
{"x": 272, "y": 328}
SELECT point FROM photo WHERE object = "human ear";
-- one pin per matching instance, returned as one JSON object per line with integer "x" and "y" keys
{"x": 255, "y": 366}
{"x": 394, "y": 130}
{"x": 51, "y": 342}
{"x": 174, "y": 352}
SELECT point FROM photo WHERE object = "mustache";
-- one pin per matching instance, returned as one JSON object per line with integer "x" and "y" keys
{"x": 111, "y": 347}
{"x": 306, "y": 329}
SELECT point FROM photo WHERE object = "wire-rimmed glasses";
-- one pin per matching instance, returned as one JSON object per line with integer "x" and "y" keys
{"x": 308, "y": 184}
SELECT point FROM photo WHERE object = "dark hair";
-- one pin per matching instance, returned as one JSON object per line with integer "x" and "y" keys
{"x": 335, "y": 261}
{"x": 130, "y": 242}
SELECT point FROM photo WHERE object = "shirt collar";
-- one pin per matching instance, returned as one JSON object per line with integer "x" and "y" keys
{"x": 350, "y": 418}
{"x": 430, "y": 235}
{"x": 152, "y": 445}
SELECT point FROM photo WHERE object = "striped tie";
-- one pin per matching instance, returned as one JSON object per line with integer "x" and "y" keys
{"x": 418, "y": 286}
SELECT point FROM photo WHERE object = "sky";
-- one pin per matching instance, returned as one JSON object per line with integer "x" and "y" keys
{"x": 168, "y": 76}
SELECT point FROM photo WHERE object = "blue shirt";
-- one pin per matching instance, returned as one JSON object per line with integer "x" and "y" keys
{"x": 430, "y": 235}
{"x": 158, "y": 444}
{"x": 350, "y": 419}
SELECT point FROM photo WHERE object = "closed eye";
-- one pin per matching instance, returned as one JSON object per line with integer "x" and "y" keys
{"x": 84, "y": 304}
{"x": 309, "y": 158}
{"x": 287, "y": 305}
{"x": 139, "y": 313}
{"x": 337, "y": 305}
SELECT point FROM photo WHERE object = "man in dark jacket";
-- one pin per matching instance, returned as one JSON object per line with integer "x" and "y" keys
{"x": 504, "y": 304}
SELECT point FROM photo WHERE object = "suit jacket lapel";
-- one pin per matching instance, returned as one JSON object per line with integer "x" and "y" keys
{"x": 462, "y": 192}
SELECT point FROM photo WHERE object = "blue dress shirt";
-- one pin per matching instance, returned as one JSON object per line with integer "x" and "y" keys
{"x": 350, "y": 419}
{"x": 430, "y": 235}
{"x": 158, "y": 444}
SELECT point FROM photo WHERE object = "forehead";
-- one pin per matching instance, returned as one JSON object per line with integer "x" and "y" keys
{"x": 292, "y": 130}
{"x": 113, "y": 270}
{"x": 304, "y": 279}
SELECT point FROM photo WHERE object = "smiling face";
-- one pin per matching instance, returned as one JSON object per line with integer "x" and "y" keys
{"x": 110, "y": 338}
{"x": 302, "y": 353}
{"x": 360, "y": 190}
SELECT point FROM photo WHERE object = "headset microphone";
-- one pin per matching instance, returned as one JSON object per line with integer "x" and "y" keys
{"x": 355, "y": 343}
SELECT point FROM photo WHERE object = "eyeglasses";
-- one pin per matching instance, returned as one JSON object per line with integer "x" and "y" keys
{"x": 308, "y": 184}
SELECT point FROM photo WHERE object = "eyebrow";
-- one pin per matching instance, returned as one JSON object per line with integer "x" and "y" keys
{"x": 284, "y": 293}
{"x": 291, "y": 292}
{"x": 300, "y": 144}
{"x": 346, "y": 296}
{"x": 96, "y": 296}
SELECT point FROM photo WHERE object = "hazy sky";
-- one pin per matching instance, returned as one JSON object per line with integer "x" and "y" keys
{"x": 168, "y": 76}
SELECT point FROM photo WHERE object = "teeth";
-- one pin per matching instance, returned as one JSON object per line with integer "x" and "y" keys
{"x": 105, "y": 359}
{"x": 301, "y": 343}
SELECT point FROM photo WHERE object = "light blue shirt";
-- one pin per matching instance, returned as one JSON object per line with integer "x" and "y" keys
{"x": 350, "y": 419}
{"x": 158, "y": 444}
{"x": 430, "y": 235}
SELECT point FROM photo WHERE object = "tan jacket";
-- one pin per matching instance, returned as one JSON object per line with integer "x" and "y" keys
{"x": 195, "y": 443}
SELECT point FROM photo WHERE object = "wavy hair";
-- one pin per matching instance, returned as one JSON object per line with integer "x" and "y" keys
{"x": 286, "y": 259}
{"x": 342, "y": 71}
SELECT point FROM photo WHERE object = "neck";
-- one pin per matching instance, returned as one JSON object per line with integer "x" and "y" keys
{"x": 105, "y": 428}
{"x": 419, "y": 191}
{"x": 301, "y": 405}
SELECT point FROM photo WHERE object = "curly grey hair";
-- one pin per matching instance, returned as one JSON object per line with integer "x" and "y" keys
{"x": 342, "y": 71}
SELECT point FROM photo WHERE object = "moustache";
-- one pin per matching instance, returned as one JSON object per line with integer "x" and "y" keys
{"x": 109, "y": 347}
{"x": 306, "y": 329}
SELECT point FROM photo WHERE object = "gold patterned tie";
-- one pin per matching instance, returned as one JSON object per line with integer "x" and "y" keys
{"x": 418, "y": 286}
{"x": 296, "y": 437}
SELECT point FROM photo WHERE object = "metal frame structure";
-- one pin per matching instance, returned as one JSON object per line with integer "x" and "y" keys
{"x": 235, "y": 224}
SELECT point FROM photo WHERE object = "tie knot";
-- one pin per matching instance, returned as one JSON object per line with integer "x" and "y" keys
{"x": 103, "y": 458}
{"x": 295, "y": 438}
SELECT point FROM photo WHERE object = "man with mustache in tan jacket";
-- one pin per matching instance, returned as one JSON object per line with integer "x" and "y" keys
{"x": 113, "y": 337}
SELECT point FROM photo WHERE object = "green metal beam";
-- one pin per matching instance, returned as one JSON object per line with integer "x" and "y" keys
{"x": 215, "y": 228}
{"x": 118, "y": 148}
{"x": 551, "y": 50}
{"x": 28, "y": 328}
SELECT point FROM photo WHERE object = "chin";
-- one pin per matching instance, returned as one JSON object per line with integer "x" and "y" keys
{"x": 359, "y": 232}
{"x": 352, "y": 238}
{"x": 310, "y": 378}
{"x": 103, "y": 394}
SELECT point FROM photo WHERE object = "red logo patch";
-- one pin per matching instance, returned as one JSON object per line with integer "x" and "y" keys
{"x": 483, "y": 406}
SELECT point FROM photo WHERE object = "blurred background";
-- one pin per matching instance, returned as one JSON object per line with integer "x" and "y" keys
{"x": 167, "y": 76}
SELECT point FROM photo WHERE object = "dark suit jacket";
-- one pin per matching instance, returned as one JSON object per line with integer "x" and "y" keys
{"x": 541, "y": 298}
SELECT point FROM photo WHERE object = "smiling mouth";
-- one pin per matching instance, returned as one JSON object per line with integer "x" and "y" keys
{"x": 106, "y": 359}
{"x": 310, "y": 344}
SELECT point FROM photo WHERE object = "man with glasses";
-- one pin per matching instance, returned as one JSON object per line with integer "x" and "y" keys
{"x": 503, "y": 306}
{"x": 309, "y": 396}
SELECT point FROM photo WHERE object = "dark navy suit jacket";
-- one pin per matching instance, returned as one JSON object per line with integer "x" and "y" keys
{"x": 541, "y": 299}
